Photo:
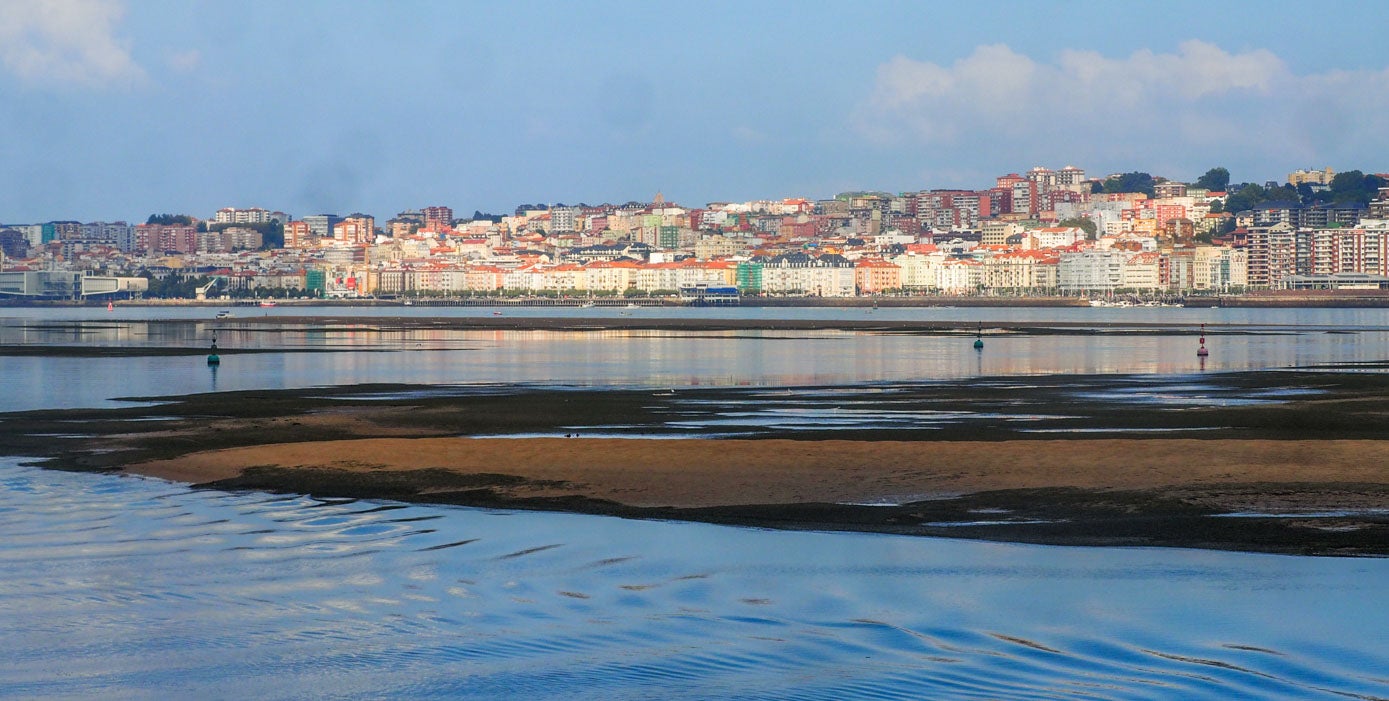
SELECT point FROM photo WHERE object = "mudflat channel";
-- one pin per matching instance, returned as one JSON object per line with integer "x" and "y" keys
{"x": 1274, "y": 461}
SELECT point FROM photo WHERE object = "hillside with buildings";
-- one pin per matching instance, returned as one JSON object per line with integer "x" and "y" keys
{"x": 1040, "y": 232}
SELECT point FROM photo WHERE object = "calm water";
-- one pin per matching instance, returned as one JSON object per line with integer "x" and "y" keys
{"x": 135, "y": 588}
{"x": 1265, "y": 338}
{"x": 124, "y": 587}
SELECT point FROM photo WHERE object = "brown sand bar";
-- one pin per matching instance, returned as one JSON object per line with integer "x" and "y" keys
{"x": 1067, "y": 459}
{"x": 1163, "y": 492}
{"x": 705, "y": 473}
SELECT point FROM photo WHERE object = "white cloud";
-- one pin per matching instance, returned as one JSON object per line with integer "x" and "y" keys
{"x": 186, "y": 61}
{"x": 1200, "y": 102}
{"x": 66, "y": 41}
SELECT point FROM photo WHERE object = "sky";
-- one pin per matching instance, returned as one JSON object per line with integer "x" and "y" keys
{"x": 116, "y": 109}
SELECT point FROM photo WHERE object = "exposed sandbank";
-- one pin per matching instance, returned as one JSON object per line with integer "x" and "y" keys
{"x": 1076, "y": 492}
{"x": 703, "y": 473}
{"x": 1015, "y": 459}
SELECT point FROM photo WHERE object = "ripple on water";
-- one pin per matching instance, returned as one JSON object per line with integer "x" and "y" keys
{"x": 140, "y": 588}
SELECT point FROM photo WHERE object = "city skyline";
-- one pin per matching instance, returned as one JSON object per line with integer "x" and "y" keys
{"x": 115, "y": 110}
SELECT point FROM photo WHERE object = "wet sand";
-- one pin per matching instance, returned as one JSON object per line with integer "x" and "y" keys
{"x": 1301, "y": 497}
{"x": 1035, "y": 460}
{"x": 686, "y": 474}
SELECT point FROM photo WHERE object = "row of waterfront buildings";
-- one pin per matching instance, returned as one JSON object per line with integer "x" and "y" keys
{"x": 1041, "y": 232}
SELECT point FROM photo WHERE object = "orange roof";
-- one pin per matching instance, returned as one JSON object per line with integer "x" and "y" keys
{"x": 874, "y": 263}
{"x": 1018, "y": 253}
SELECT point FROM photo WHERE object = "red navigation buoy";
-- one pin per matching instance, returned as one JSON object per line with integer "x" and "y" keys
{"x": 1202, "y": 352}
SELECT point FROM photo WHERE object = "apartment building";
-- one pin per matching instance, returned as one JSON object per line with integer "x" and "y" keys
{"x": 875, "y": 276}
{"x": 254, "y": 215}
{"x": 437, "y": 218}
{"x": 1312, "y": 177}
{"x": 321, "y": 225}
{"x": 1272, "y": 254}
{"x": 297, "y": 234}
{"x": 1091, "y": 271}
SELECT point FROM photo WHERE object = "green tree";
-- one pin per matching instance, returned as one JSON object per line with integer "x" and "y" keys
{"x": 1244, "y": 196}
{"x": 1282, "y": 193}
{"x": 1216, "y": 179}
{"x": 272, "y": 232}
{"x": 1355, "y": 186}
{"x": 1310, "y": 196}
{"x": 1130, "y": 182}
{"x": 174, "y": 286}
{"x": 1085, "y": 223}
{"x": 170, "y": 219}
{"x": 273, "y": 236}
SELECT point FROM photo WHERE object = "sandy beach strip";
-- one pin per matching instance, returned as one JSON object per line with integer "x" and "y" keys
{"x": 708, "y": 473}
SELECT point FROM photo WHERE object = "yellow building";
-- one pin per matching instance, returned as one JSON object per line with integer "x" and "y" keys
{"x": 1314, "y": 177}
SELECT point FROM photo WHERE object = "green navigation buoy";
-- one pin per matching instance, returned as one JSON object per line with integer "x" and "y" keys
{"x": 213, "y": 358}
{"x": 979, "y": 337}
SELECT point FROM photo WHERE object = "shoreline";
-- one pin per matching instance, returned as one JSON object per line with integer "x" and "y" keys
{"x": 582, "y": 324}
{"x": 1330, "y": 299}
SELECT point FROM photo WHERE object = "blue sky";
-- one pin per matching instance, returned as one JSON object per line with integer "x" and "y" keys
{"x": 113, "y": 109}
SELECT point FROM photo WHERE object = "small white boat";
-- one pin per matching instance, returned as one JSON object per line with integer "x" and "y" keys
{"x": 224, "y": 314}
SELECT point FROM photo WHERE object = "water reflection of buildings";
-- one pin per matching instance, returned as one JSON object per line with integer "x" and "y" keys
{"x": 674, "y": 358}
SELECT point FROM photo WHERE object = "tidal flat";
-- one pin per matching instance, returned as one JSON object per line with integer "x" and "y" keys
{"x": 1289, "y": 461}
